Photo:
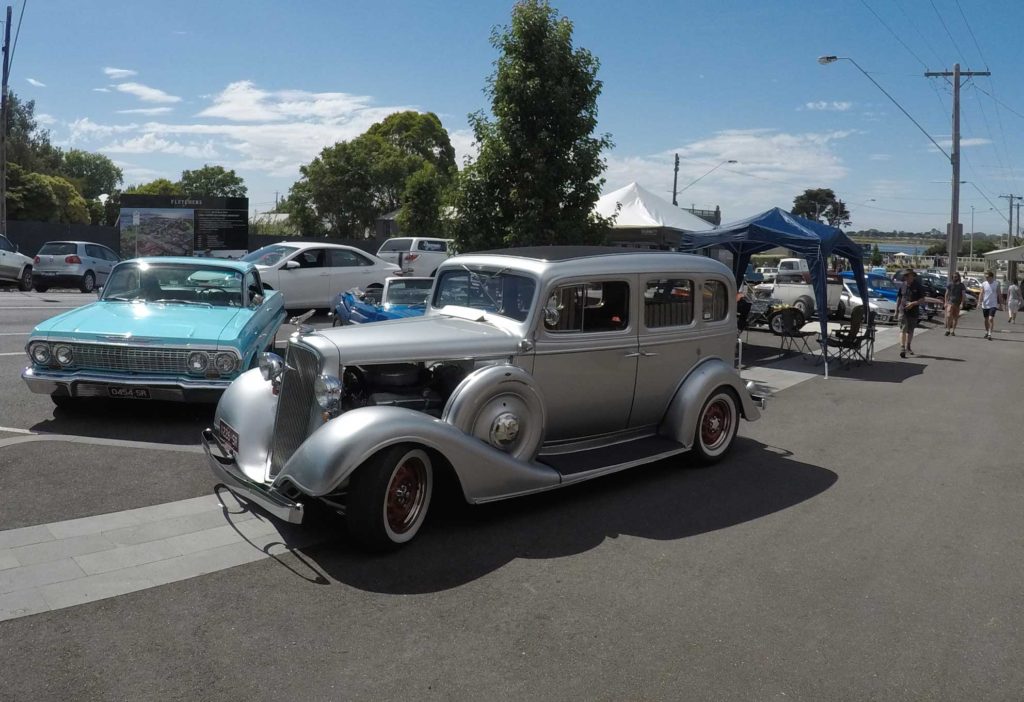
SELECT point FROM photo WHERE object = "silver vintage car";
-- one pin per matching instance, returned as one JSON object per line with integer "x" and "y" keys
{"x": 532, "y": 369}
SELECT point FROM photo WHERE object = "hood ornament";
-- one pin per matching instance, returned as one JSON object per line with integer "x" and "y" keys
{"x": 300, "y": 322}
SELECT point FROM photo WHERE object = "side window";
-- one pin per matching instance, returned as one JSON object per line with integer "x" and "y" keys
{"x": 94, "y": 251}
{"x": 111, "y": 256}
{"x": 311, "y": 258}
{"x": 5, "y": 245}
{"x": 716, "y": 301}
{"x": 253, "y": 286}
{"x": 342, "y": 258}
{"x": 668, "y": 302}
{"x": 588, "y": 307}
{"x": 395, "y": 245}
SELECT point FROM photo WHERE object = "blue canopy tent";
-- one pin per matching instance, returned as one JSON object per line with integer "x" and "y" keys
{"x": 811, "y": 240}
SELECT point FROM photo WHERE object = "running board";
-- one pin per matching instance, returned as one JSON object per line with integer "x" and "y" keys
{"x": 580, "y": 465}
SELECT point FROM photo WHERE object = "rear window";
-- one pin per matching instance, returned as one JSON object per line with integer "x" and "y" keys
{"x": 395, "y": 245}
{"x": 59, "y": 248}
{"x": 432, "y": 245}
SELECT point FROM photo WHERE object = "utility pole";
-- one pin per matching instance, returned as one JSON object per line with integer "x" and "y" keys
{"x": 1009, "y": 228}
{"x": 275, "y": 201}
{"x": 3, "y": 124}
{"x": 953, "y": 233}
{"x": 675, "y": 182}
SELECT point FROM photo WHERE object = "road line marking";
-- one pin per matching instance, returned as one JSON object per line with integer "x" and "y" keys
{"x": 40, "y": 307}
{"x": 13, "y": 353}
{"x": 95, "y": 441}
{"x": 25, "y": 333}
{"x": 13, "y": 430}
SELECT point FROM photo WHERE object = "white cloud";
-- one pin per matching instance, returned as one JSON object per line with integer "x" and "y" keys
{"x": 119, "y": 73}
{"x": 947, "y": 142}
{"x": 146, "y": 111}
{"x": 84, "y": 129}
{"x": 463, "y": 143}
{"x": 146, "y": 93}
{"x": 772, "y": 168}
{"x": 151, "y": 143}
{"x": 45, "y": 119}
{"x": 134, "y": 173}
{"x": 880, "y": 157}
{"x": 833, "y": 106}
{"x": 101, "y": 90}
{"x": 37, "y": 83}
{"x": 243, "y": 101}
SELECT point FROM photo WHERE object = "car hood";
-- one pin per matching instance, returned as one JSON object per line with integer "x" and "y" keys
{"x": 414, "y": 339}
{"x": 168, "y": 323}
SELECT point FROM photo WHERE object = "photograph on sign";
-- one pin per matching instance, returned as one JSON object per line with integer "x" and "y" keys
{"x": 157, "y": 232}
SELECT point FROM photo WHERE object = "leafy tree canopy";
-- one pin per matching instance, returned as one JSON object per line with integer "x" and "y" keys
{"x": 43, "y": 198}
{"x": 538, "y": 174}
{"x": 28, "y": 144}
{"x": 93, "y": 174}
{"x": 160, "y": 186}
{"x": 418, "y": 134}
{"x": 422, "y": 202}
{"x": 213, "y": 181}
{"x": 822, "y": 205}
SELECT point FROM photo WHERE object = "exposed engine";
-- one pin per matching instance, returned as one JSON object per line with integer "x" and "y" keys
{"x": 415, "y": 386}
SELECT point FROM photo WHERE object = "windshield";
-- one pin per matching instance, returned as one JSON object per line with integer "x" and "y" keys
{"x": 269, "y": 255}
{"x": 175, "y": 283}
{"x": 488, "y": 289}
{"x": 409, "y": 292}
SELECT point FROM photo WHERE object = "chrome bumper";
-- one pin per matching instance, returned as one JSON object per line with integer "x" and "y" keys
{"x": 755, "y": 395}
{"x": 93, "y": 384}
{"x": 227, "y": 472}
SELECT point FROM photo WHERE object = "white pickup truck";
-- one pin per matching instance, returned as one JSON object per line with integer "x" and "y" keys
{"x": 793, "y": 287}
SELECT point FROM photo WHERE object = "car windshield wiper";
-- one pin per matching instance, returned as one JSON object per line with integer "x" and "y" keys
{"x": 174, "y": 301}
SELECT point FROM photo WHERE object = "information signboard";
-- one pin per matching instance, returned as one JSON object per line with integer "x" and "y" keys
{"x": 175, "y": 225}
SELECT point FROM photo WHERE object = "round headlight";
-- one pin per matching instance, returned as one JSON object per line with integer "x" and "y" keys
{"x": 64, "y": 355}
{"x": 271, "y": 365}
{"x": 40, "y": 353}
{"x": 198, "y": 361}
{"x": 226, "y": 363}
{"x": 327, "y": 390}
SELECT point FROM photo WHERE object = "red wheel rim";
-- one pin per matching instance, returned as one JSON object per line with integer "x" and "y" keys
{"x": 716, "y": 424}
{"x": 405, "y": 495}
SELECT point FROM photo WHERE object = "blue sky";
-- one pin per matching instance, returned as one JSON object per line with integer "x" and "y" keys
{"x": 262, "y": 86}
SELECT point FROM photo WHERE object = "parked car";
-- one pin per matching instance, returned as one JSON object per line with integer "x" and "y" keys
{"x": 312, "y": 274}
{"x": 79, "y": 264}
{"x": 883, "y": 309}
{"x": 15, "y": 267}
{"x": 418, "y": 256}
{"x": 401, "y": 297}
{"x": 163, "y": 329}
{"x": 768, "y": 272}
{"x": 794, "y": 289}
{"x": 531, "y": 369}
{"x": 878, "y": 285}
{"x": 791, "y": 265}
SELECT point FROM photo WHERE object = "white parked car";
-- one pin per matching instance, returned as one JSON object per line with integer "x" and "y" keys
{"x": 885, "y": 310}
{"x": 14, "y": 267}
{"x": 418, "y": 256}
{"x": 311, "y": 274}
{"x": 794, "y": 288}
{"x": 79, "y": 264}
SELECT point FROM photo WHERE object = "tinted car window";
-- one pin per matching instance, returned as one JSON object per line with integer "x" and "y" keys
{"x": 396, "y": 245}
{"x": 715, "y": 307}
{"x": 432, "y": 245}
{"x": 668, "y": 302}
{"x": 94, "y": 251}
{"x": 310, "y": 258}
{"x": 588, "y": 307}
{"x": 269, "y": 255}
{"x": 346, "y": 258}
{"x": 58, "y": 248}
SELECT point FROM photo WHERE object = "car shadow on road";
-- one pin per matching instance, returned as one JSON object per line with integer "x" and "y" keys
{"x": 132, "y": 420}
{"x": 667, "y": 500}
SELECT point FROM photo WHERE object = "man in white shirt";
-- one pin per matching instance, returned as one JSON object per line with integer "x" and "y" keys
{"x": 989, "y": 302}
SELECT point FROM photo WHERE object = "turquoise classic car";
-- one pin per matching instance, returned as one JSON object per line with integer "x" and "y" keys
{"x": 163, "y": 329}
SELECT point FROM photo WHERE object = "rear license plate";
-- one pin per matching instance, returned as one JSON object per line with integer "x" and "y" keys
{"x": 229, "y": 435}
{"x": 129, "y": 393}
{"x": 48, "y": 273}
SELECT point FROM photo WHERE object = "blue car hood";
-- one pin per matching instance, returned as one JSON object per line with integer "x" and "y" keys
{"x": 169, "y": 323}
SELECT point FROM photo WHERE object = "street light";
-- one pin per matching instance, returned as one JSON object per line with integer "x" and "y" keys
{"x": 697, "y": 180}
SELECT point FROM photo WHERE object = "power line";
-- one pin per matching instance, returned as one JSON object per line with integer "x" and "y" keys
{"x": 998, "y": 101}
{"x": 971, "y": 31}
{"x": 17, "y": 33}
{"x": 894, "y": 34}
{"x": 948, "y": 33}
{"x": 913, "y": 25}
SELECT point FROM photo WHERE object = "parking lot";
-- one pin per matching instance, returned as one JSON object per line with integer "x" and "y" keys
{"x": 862, "y": 541}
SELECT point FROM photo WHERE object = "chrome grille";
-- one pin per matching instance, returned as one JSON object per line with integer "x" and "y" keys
{"x": 295, "y": 404}
{"x": 129, "y": 358}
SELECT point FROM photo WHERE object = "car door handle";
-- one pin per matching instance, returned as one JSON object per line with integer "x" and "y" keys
{"x": 634, "y": 354}
{"x": 648, "y": 353}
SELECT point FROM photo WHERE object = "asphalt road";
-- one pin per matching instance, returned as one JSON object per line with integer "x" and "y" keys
{"x": 862, "y": 541}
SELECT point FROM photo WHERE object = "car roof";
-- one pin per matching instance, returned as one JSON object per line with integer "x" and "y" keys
{"x": 316, "y": 245}
{"x": 600, "y": 260}
{"x": 241, "y": 266}
{"x": 72, "y": 241}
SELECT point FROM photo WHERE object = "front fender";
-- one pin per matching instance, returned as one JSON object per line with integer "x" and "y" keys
{"x": 329, "y": 456}
{"x": 680, "y": 422}
{"x": 248, "y": 406}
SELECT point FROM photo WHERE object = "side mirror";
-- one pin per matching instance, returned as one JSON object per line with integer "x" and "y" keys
{"x": 257, "y": 300}
{"x": 99, "y": 291}
{"x": 291, "y": 265}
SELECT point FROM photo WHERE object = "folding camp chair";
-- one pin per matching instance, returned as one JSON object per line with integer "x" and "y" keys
{"x": 851, "y": 341}
{"x": 792, "y": 338}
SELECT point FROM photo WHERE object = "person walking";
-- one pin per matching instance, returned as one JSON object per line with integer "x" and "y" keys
{"x": 1013, "y": 301}
{"x": 954, "y": 299}
{"x": 989, "y": 302}
{"x": 908, "y": 304}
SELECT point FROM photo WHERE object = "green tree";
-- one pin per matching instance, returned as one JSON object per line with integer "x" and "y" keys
{"x": 38, "y": 197}
{"x": 340, "y": 188}
{"x": 93, "y": 174}
{"x": 538, "y": 173}
{"x": 302, "y": 214}
{"x": 419, "y": 134}
{"x": 160, "y": 186}
{"x": 876, "y": 256}
{"x": 212, "y": 181}
{"x": 28, "y": 144}
{"x": 97, "y": 212}
{"x": 421, "y": 203}
{"x": 71, "y": 206}
{"x": 822, "y": 205}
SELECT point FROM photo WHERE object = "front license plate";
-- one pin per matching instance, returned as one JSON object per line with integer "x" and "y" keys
{"x": 129, "y": 393}
{"x": 883, "y": 318}
{"x": 229, "y": 435}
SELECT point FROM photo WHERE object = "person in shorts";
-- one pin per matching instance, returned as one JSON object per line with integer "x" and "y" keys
{"x": 908, "y": 305}
{"x": 1013, "y": 301}
{"x": 989, "y": 302}
{"x": 954, "y": 299}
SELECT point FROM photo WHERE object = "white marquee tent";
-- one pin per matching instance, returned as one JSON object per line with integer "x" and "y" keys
{"x": 642, "y": 209}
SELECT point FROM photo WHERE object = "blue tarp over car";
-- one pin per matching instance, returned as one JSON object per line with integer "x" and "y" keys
{"x": 811, "y": 240}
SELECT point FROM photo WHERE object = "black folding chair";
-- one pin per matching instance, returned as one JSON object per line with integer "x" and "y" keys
{"x": 851, "y": 341}
{"x": 792, "y": 338}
